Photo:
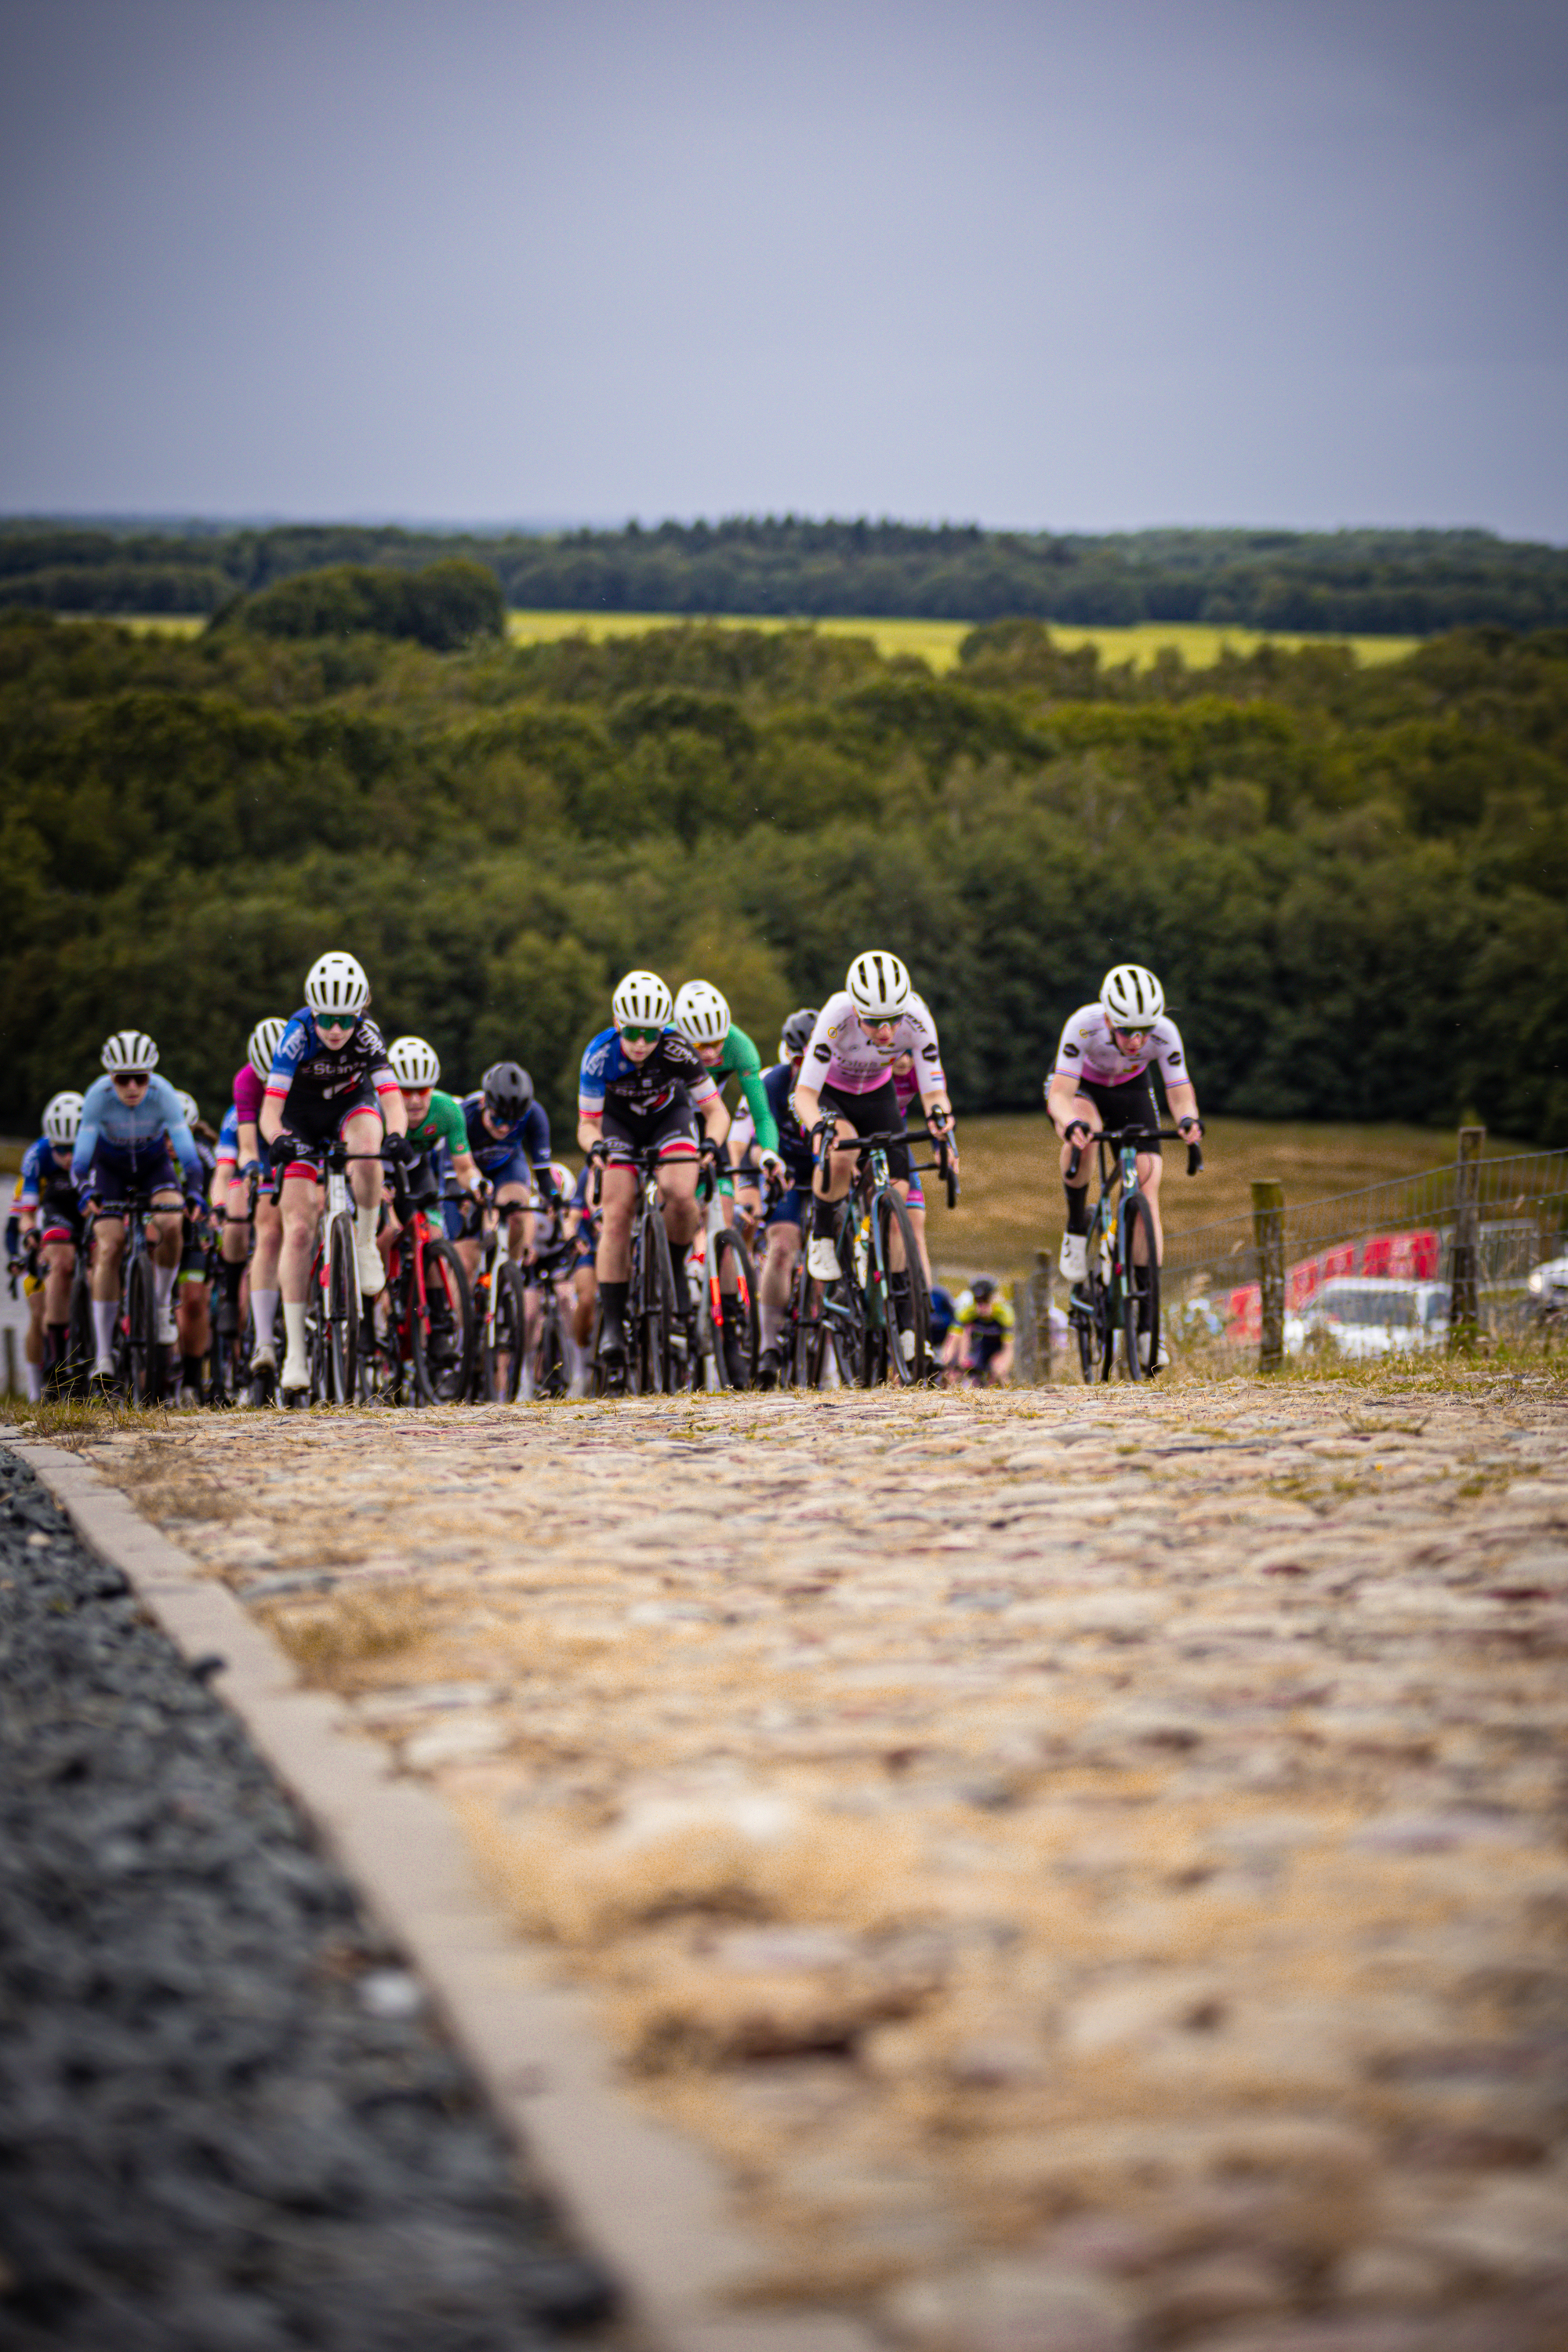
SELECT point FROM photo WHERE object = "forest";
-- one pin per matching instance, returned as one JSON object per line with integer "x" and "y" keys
{"x": 1351, "y": 880}
{"x": 1355, "y": 583}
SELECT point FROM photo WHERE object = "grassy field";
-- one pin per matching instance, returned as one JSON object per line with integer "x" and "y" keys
{"x": 936, "y": 641}
{"x": 1010, "y": 1203}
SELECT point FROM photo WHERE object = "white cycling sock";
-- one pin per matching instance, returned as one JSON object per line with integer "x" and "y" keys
{"x": 105, "y": 1316}
{"x": 771, "y": 1320}
{"x": 35, "y": 1383}
{"x": 365, "y": 1222}
{"x": 162, "y": 1282}
{"x": 294, "y": 1325}
{"x": 264, "y": 1307}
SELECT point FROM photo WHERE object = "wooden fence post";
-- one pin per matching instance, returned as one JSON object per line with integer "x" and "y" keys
{"x": 1040, "y": 1307}
{"x": 1269, "y": 1233}
{"x": 1465, "y": 1306}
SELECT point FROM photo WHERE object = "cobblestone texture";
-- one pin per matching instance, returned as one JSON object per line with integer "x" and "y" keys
{"x": 1092, "y": 1861}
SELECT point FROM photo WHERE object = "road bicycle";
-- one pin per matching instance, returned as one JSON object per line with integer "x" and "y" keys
{"x": 425, "y": 1337}
{"x": 547, "y": 1358}
{"x": 658, "y": 1348}
{"x": 337, "y": 1345}
{"x": 877, "y": 1313}
{"x": 1120, "y": 1294}
{"x": 721, "y": 1280}
{"x": 500, "y": 1313}
{"x": 140, "y": 1357}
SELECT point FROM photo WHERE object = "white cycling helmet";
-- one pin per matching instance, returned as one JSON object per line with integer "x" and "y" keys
{"x": 188, "y": 1105}
{"x": 701, "y": 1014}
{"x": 413, "y": 1062}
{"x": 1130, "y": 997}
{"x": 62, "y": 1117}
{"x": 129, "y": 1049}
{"x": 878, "y": 984}
{"x": 336, "y": 988}
{"x": 264, "y": 1042}
{"x": 641, "y": 1002}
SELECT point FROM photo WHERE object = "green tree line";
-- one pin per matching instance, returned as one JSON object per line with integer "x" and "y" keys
{"x": 1411, "y": 583}
{"x": 1351, "y": 881}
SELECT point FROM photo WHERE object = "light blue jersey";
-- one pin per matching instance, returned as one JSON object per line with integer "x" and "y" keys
{"x": 133, "y": 1133}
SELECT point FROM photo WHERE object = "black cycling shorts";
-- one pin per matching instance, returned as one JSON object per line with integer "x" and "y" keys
{"x": 60, "y": 1216}
{"x": 1132, "y": 1104}
{"x": 875, "y": 1113}
{"x": 671, "y": 1132}
{"x": 318, "y": 1121}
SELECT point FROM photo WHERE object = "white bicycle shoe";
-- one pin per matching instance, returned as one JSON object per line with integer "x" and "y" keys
{"x": 1074, "y": 1258}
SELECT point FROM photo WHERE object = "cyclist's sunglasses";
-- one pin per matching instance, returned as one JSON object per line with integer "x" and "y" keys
{"x": 1139, "y": 1034}
{"x": 634, "y": 1029}
{"x": 133, "y": 1078}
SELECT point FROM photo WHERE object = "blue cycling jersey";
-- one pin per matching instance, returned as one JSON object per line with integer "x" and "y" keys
{"x": 228, "y": 1134}
{"x": 307, "y": 1068}
{"x": 528, "y": 1136}
{"x": 794, "y": 1147}
{"x": 608, "y": 1072}
{"x": 42, "y": 1171}
{"x": 134, "y": 1133}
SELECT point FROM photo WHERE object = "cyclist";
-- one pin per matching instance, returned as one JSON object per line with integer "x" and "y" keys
{"x": 329, "y": 1082}
{"x": 49, "y": 1216}
{"x": 193, "y": 1288}
{"x": 638, "y": 1090}
{"x": 508, "y": 1142}
{"x": 579, "y": 1222}
{"x": 701, "y": 1014}
{"x": 986, "y": 1322}
{"x": 130, "y": 1134}
{"x": 859, "y": 1034}
{"x": 781, "y": 1221}
{"x": 1104, "y": 1077}
{"x": 250, "y": 1153}
{"x": 438, "y": 1133}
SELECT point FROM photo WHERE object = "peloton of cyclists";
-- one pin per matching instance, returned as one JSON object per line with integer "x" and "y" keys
{"x": 1104, "y": 1077}
{"x": 331, "y": 1082}
{"x": 641, "y": 1088}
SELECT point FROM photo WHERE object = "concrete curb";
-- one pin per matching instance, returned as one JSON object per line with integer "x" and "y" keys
{"x": 649, "y": 2201}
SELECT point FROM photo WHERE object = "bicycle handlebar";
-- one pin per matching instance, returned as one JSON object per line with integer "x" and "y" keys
{"x": 1116, "y": 1135}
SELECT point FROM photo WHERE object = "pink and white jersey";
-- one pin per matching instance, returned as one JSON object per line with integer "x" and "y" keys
{"x": 1088, "y": 1050}
{"x": 841, "y": 1055}
{"x": 250, "y": 1094}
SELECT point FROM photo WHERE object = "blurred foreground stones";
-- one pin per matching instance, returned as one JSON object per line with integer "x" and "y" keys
{"x": 1092, "y": 1861}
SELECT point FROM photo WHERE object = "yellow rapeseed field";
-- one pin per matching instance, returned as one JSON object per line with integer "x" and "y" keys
{"x": 937, "y": 642}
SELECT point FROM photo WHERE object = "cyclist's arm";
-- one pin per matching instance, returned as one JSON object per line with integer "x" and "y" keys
{"x": 1059, "y": 1100}
{"x": 1184, "y": 1102}
{"x": 808, "y": 1107}
{"x": 270, "y": 1123}
{"x": 86, "y": 1143}
{"x": 466, "y": 1168}
{"x": 716, "y": 1117}
{"x": 590, "y": 1129}
{"x": 761, "y": 1111}
{"x": 937, "y": 1108}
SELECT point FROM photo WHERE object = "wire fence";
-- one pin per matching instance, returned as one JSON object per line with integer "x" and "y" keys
{"x": 1366, "y": 1272}
{"x": 1379, "y": 1260}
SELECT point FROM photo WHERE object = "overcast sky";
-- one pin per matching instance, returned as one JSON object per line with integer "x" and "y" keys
{"x": 1081, "y": 267}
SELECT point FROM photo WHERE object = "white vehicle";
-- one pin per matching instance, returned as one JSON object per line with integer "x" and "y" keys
{"x": 1548, "y": 1285}
{"x": 1374, "y": 1314}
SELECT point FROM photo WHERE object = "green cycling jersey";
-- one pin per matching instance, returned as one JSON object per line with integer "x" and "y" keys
{"x": 739, "y": 1059}
{"x": 442, "y": 1123}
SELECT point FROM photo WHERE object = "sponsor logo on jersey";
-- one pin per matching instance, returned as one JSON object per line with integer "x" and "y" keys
{"x": 928, "y": 1053}
{"x": 823, "y": 1053}
{"x": 1072, "y": 1051}
{"x": 1174, "y": 1060}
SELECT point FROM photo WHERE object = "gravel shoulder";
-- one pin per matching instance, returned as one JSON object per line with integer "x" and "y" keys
{"x": 1093, "y": 1861}
{"x": 227, "y": 2122}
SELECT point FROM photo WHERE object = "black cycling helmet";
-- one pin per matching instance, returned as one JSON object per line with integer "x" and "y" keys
{"x": 795, "y": 1034}
{"x": 982, "y": 1288}
{"x": 507, "y": 1089}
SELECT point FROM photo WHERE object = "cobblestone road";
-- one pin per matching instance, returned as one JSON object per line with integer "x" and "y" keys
{"x": 1093, "y": 1861}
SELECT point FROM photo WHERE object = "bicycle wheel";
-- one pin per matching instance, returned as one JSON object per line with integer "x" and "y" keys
{"x": 1140, "y": 1284}
{"x": 441, "y": 1333}
{"x": 843, "y": 1314}
{"x": 803, "y": 1340}
{"x": 502, "y": 1359}
{"x": 72, "y": 1373}
{"x": 340, "y": 1309}
{"x": 907, "y": 1347}
{"x": 652, "y": 1308}
{"x": 142, "y": 1378}
{"x": 549, "y": 1355}
{"x": 734, "y": 1310}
